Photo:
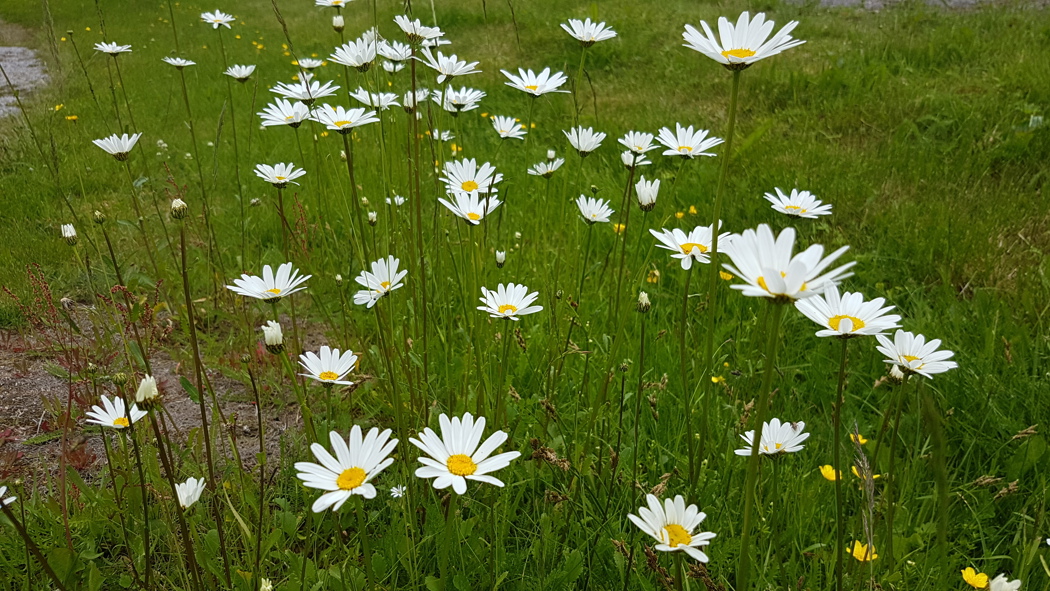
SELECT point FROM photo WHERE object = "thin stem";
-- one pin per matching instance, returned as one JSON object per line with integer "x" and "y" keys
{"x": 935, "y": 424}
{"x": 836, "y": 458}
{"x": 262, "y": 479}
{"x": 638, "y": 399}
{"x": 142, "y": 488}
{"x": 169, "y": 471}
{"x": 362, "y": 534}
{"x": 683, "y": 365}
{"x": 32, "y": 547}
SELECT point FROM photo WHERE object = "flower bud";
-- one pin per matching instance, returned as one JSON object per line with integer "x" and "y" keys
{"x": 338, "y": 279}
{"x": 337, "y": 23}
{"x": 594, "y": 190}
{"x": 624, "y": 366}
{"x": 246, "y": 359}
{"x": 70, "y": 234}
{"x": 501, "y": 258}
{"x": 551, "y": 154}
{"x": 256, "y": 202}
{"x": 178, "y": 209}
{"x": 147, "y": 391}
{"x": 342, "y": 155}
{"x": 273, "y": 336}
{"x": 643, "y": 302}
{"x": 372, "y": 218}
{"x": 119, "y": 378}
{"x": 100, "y": 218}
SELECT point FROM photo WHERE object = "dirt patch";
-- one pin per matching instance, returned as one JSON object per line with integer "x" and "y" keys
{"x": 25, "y": 70}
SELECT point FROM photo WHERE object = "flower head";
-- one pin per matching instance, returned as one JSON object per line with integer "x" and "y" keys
{"x": 536, "y": 84}
{"x": 999, "y": 583}
{"x": 113, "y": 414}
{"x": 632, "y": 160}
{"x": 307, "y": 63}
{"x": 357, "y": 461}
{"x": 458, "y": 101}
{"x": 741, "y": 45}
{"x": 687, "y": 142}
{"x": 217, "y": 19}
{"x": 307, "y": 90}
{"x": 546, "y": 169}
{"x": 694, "y": 246}
{"x": 594, "y": 210}
{"x": 240, "y": 73}
{"x": 178, "y": 62}
{"x": 647, "y": 192}
{"x": 455, "y": 456}
{"x": 849, "y": 315}
{"x": 777, "y": 438}
{"x": 280, "y": 174}
{"x": 284, "y": 112}
{"x": 975, "y": 579}
{"x": 584, "y": 139}
{"x": 465, "y": 176}
{"x": 189, "y": 492}
{"x": 394, "y": 51}
{"x": 380, "y": 100}
{"x": 508, "y": 127}
{"x": 70, "y": 234}
{"x": 358, "y": 54}
{"x": 398, "y": 491}
{"x": 799, "y": 204}
{"x": 112, "y": 49}
{"x": 273, "y": 336}
{"x": 863, "y": 552}
{"x": 508, "y": 301}
{"x": 447, "y": 67}
{"x": 912, "y": 354}
{"x": 330, "y": 367}
{"x": 415, "y": 31}
{"x": 270, "y": 287}
{"x": 472, "y": 207}
{"x": 637, "y": 141}
{"x": 147, "y": 391}
{"x": 501, "y": 258}
{"x": 587, "y": 32}
{"x": 383, "y": 279}
{"x": 672, "y": 524}
{"x": 343, "y": 120}
{"x": 118, "y": 146}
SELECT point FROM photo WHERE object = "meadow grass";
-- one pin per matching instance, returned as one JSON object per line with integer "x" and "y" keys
{"x": 914, "y": 122}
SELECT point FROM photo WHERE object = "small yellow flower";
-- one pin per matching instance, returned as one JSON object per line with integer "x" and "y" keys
{"x": 204, "y": 47}
{"x": 63, "y": 39}
{"x": 287, "y": 53}
{"x": 858, "y": 438}
{"x": 284, "y": 46}
{"x": 295, "y": 77}
{"x": 87, "y": 28}
{"x": 533, "y": 126}
{"x": 486, "y": 115}
{"x": 863, "y": 553}
{"x": 830, "y": 473}
{"x": 71, "y": 117}
{"x": 725, "y": 364}
{"x": 692, "y": 210}
{"x": 653, "y": 276}
{"x": 619, "y": 228}
{"x": 236, "y": 36}
{"x": 679, "y": 214}
{"x": 975, "y": 579}
{"x": 313, "y": 55}
{"x": 324, "y": 134}
{"x": 58, "y": 107}
{"x": 718, "y": 380}
{"x": 857, "y": 474}
{"x": 725, "y": 276}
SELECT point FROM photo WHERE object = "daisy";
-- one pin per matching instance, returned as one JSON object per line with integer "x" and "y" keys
{"x": 343, "y": 120}
{"x": 999, "y": 583}
{"x": 240, "y": 73}
{"x": 694, "y": 246}
{"x": 383, "y": 279}
{"x": 861, "y": 551}
{"x": 273, "y": 336}
{"x": 975, "y": 579}
{"x": 509, "y": 301}
{"x": 358, "y": 54}
{"x": 536, "y": 84}
{"x": 189, "y": 492}
{"x": 447, "y": 67}
{"x": 849, "y": 315}
{"x": 118, "y": 145}
{"x": 394, "y": 51}
{"x": 501, "y": 258}
{"x": 457, "y": 101}
{"x": 178, "y": 62}
{"x": 410, "y": 101}
{"x": 381, "y": 101}
{"x": 398, "y": 491}
{"x": 588, "y": 32}
{"x": 357, "y": 460}
{"x": 307, "y": 63}
{"x": 467, "y": 177}
{"x": 112, "y": 413}
{"x": 647, "y": 192}
{"x": 217, "y": 19}
{"x": 442, "y": 136}
{"x": 742, "y": 45}
{"x": 800, "y": 204}
{"x": 508, "y": 127}
{"x": 307, "y": 90}
{"x": 330, "y": 367}
{"x": 5, "y": 500}
{"x": 280, "y": 174}
{"x": 455, "y": 456}
{"x": 284, "y": 112}
{"x": 415, "y": 31}
{"x": 777, "y": 438}
{"x": 546, "y": 169}
{"x": 766, "y": 263}
{"x": 270, "y": 288}
{"x": 147, "y": 390}
{"x": 912, "y": 354}
{"x": 69, "y": 233}
{"x": 686, "y": 142}
{"x": 637, "y": 141}
{"x": 331, "y": 3}
{"x": 585, "y": 140}
{"x": 672, "y": 524}
{"x": 472, "y": 207}
{"x": 112, "y": 49}
{"x": 633, "y": 160}
{"x": 594, "y": 210}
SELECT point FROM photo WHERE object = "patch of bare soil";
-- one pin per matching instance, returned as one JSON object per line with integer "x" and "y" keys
{"x": 24, "y": 70}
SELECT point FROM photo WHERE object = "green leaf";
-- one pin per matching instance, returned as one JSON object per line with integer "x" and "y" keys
{"x": 194, "y": 395}
{"x": 434, "y": 584}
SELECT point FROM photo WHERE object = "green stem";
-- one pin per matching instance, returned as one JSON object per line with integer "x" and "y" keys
{"x": 32, "y": 547}
{"x": 262, "y": 480}
{"x": 836, "y": 458}
{"x": 683, "y": 366}
{"x": 935, "y": 423}
{"x": 363, "y": 535}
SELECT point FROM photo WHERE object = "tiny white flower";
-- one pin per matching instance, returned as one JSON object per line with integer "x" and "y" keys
{"x": 398, "y": 491}
{"x": 189, "y": 492}
{"x": 501, "y": 258}
{"x": 777, "y": 438}
{"x": 217, "y": 19}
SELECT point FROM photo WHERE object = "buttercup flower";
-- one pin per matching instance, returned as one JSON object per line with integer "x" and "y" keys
{"x": 799, "y": 204}
{"x": 849, "y": 315}
{"x": 863, "y": 553}
{"x": 455, "y": 456}
{"x": 975, "y": 579}
{"x": 594, "y": 210}
{"x": 465, "y": 176}
{"x": 330, "y": 367}
{"x": 672, "y": 524}
{"x": 270, "y": 288}
{"x": 585, "y": 140}
{"x": 113, "y": 413}
{"x": 447, "y": 67}
{"x": 508, "y": 127}
{"x": 189, "y": 492}
{"x": 777, "y": 438}
{"x": 472, "y": 207}
{"x": 112, "y": 49}
{"x": 383, "y": 279}
{"x": 741, "y": 45}
{"x": 284, "y": 112}
{"x": 178, "y": 62}
{"x": 217, "y": 19}
{"x": 118, "y": 145}
{"x": 546, "y": 169}
{"x": 694, "y": 246}
{"x": 280, "y": 174}
{"x": 357, "y": 461}
{"x": 536, "y": 84}
{"x": 509, "y": 301}
{"x": 588, "y": 32}
{"x": 686, "y": 142}
{"x": 913, "y": 355}
{"x": 343, "y": 120}
{"x": 240, "y": 73}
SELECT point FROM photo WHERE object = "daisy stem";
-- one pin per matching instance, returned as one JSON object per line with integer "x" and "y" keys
{"x": 417, "y": 209}
{"x": 586, "y": 261}
{"x": 683, "y": 366}
{"x": 118, "y": 497}
{"x": 236, "y": 149}
{"x": 385, "y": 330}
{"x": 638, "y": 400}
{"x": 33, "y": 548}
{"x": 142, "y": 224}
{"x": 503, "y": 362}
{"x": 362, "y": 534}
{"x": 142, "y": 488}
{"x": 576, "y": 88}
{"x": 896, "y": 404}
{"x": 169, "y": 471}
{"x": 744, "y": 564}
{"x": 679, "y": 576}
{"x": 262, "y": 478}
{"x": 836, "y": 458}
{"x": 940, "y": 474}
{"x": 308, "y": 417}
{"x": 347, "y": 146}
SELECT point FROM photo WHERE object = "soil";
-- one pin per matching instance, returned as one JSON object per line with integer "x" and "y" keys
{"x": 24, "y": 69}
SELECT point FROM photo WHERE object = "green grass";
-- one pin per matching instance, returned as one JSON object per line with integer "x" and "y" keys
{"x": 913, "y": 122}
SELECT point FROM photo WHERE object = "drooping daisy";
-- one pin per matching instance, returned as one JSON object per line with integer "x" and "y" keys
{"x": 638, "y": 142}
{"x": 587, "y": 32}
{"x": 671, "y": 524}
{"x": 147, "y": 391}
{"x": 647, "y": 192}
{"x": 178, "y": 62}
{"x": 5, "y": 500}
{"x": 1001, "y": 583}
{"x": 467, "y": 177}
{"x": 546, "y": 169}
{"x": 343, "y": 120}
{"x": 584, "y": 139}
{"x": 280, "y": 174}
{"x": 306, "y": 90}
{"x": 455, "y": 456}
{"x": 694, "y": 246}
{"x": 189, "y": 492}
{"x": 330, "y": 367}
{"x": 112, "y": 49}
{"x": 383, "y": 279}
{"x": 380, "y": 100}
{"x": 633, "y": 160}
{"x": 536, "y": 84}
{"x": 118, "y": 145}
{"x": 509, "y": 301}
{"x": 240, "y": 73}
{"x": 447, "y": 67}
{"x": 113, "y": 413}
{"x": 508, "y": 127}
{"x": 217, "y": 19}
{"x": 472, "y": 207}
{"x": 777, "y": 438}
{"x": 69, "y": 233}
{"x": 863, "y": 552}
{"x": 357, "y": 460}
{"x": 743, "y": 44}
{"x": 415, "y": 31}
{"x": 269, "y": 287}
{"x": 849, "y": 315}
{"x": 441, "y": 136}
{"x": 410, "y": 101}
{"x": 358, "y": 54}
{"x": 975, "y": 579}
{"x": 284, "y": 112}
{"x": 308, "y": 63}
{"x": 686, "y": 142}
{"x": 770, "y": 269}
{"x": 594, "y": 210}
{"x": 913, "y": 355}
{"x": 799, "y": 204}
{"x": 273, "y": 336}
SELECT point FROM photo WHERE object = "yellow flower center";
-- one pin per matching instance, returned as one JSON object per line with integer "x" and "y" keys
{"x": 280, "y": 178}
{"x": 351, "y": 478}
{"x": 461, "y": 465}
{"x": 328, "y": 376}
{"x": 532, "y": 87}
{"x": 469, "y": 186}
{"x": 121, "y": 422}
{"x": 725, "y": 276}
{"x": 685, "y": 149}
{"x": 910, "y": 357}
{"x": 385, "y": 285}
{"x": 503, "y": 309}
{"x": 740, "y": 53}
{"x": 274, "y": 291}
{"x": 796, "y": 208}
{"x": 677, "y": 536}
{"x": 473, "y": 216}
{"x": 340, "y": 123}
{"x": 778, "y": 446}
{"x": 975, "y": 579}
{"x": 834, "y": 322}
{"x": 689, "y": 246}
{"x": 289, "y": 118}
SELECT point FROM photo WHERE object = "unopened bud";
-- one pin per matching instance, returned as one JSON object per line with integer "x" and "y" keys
{"x": 342, "y": 155}
{"x": 372, "y": 218}
{"x": 178, "y": 209}
{"x": 246, "y": 359}
{"x": 119, "y": 379}
{"x": 147, "y": 391}
{"x": 338, "y": 279}
{"x": 551, "y": 154}
{"x": 337, "y": 23}
{"x": 558, "y": 294}
{"x": 501, "y": 258}
{"x": 273, "y": 336}
{"x": 91, "y": 369}
{"x": 256, "y": 202}
{"x": 100, "y": 218}
{"x": 594, "y": 190}
{"x": 624, "y": 366}
{"x": 643, "y": 302}
{"x": 70, "y": 234}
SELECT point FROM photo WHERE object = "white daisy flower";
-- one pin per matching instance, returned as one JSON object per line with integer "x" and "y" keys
{"x": 147, "y": 390}
{"x": 799, "y": 204}
{"x": 357, "y": 461}
{"x": 501, "y": 258}
{"x": 415, "y": 31}
{"x": 307, "y": 90}
{"x": 217, "y": 19}
{"x": 638, "y": 142}
{"x": 240, "y": 73}
{"x": 633, "y": 160}
{"x": 280, "y": 174}
{"x": 112, "y": 413}
{"x": 456, "y": 457}
{"x": 694, "y": 246}
{"x": 112, "y": 49}
{"x": 331, "y": 3}
{"x": 284, "y": 112}
{"x": 118, "y": 145}
{"x": 393, "y": 67}
{"x": 849, "y": 315}
{"x": 594, "y": 210}
{"x": 584, "y": 139}
{"x": 508, "y": 127}
{"x": 410, "y": 101}
{"x": 343, "y": 120}
{"x": 273, "y": 336}
{"x": 777, "y": 438}
{"x": 536, "y": 84}
{"x": 672, "y": 524}
{"x": 743, "y": 44}
{"x": 509, "y": 301}
{"x": 912, "y": 354}
{"x": 358, "y": 54}
{"x": 5, "y": 500}
{"x": 309, "y": 63}
{"x": 587, "y": 32}
{"x": 472, "y": 207}
{"x": 398, "y": 491}
{"x": 69, "y": 233}
{"x": 189, "y": 492}
{"x": 178, "y": 62}
{"x": 770, "y": 269}
{"x": 467, "y": 177}
{"x": 687, "y": 143}
{"x": 447, "y": 67}
{"x": 383, "y": 279}
{"x": 442, "y": 136}
{"x": 381, "y": 101}
{"x": 394, "y": 51}
{"x": 546, "y": 169}
{"x": 457, "y": 101}
{"x": 330, "y": 367}
{"x": 999, "y": 583}
{"x": 647, "y": 192}
{"x": 398, "y": 200}
{"x": 270, "y": 288}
